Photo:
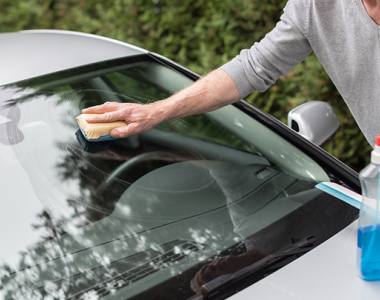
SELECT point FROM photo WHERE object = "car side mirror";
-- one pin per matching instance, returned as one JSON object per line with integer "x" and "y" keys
{"x": 314, "y": 120}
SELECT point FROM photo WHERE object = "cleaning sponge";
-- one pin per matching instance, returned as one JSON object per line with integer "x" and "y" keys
{"x": 94, "y": 132}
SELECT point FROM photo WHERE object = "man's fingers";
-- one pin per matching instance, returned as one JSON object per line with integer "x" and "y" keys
{"x": 105, "y": 117}
{"x": 102, "y": 108}
{"x": 125, "y": 130}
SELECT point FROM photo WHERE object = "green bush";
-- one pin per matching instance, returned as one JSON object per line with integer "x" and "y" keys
{"x": 200, "y": 35}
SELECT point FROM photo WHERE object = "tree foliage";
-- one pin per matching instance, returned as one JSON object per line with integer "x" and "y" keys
{"x": 201, "y": 35}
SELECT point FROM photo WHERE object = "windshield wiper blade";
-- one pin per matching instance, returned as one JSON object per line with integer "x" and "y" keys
{"x": 276, "y": 260}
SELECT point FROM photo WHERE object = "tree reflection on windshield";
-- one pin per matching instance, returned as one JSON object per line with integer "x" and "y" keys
{"x": 83, "y": 247}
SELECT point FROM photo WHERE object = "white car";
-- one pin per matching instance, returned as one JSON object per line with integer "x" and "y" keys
{"x": 217, "y": 205}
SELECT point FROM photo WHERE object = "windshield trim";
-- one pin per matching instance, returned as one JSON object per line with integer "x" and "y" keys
{"x": 96, "y": 67}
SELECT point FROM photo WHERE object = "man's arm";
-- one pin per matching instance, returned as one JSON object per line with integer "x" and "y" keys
{"x": 256, "y": 68}
{"x": 209, "y": 93}
{"x": 286, "y": 45}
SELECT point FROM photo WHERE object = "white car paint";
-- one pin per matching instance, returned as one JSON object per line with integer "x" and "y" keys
{"x": 327, "y": 272}
{"x": 32, "y": 53}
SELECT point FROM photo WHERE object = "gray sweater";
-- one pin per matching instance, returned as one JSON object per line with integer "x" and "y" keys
{"x": 343, "y": 37}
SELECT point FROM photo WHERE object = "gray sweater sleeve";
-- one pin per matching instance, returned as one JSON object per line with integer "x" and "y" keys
{"x": 260, "y": 66}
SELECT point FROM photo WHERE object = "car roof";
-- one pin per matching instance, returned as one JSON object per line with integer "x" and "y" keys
{"x": 32, "y": 53}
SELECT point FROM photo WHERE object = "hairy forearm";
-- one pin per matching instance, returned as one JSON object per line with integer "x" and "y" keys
{"x": 209, "y": 93}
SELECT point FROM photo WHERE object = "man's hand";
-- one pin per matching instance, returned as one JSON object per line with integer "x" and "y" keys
{"x": 139, "y": 117}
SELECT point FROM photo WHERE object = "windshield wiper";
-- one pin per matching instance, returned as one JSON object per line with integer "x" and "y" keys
{"x": 222, "y": 284}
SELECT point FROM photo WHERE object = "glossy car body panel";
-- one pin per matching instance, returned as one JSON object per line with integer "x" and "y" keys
{"x": 327, "y": 272}
{"x": 32, "y": 53}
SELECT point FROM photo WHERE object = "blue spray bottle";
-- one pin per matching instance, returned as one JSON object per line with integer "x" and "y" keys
{"x": 369, "y": 218}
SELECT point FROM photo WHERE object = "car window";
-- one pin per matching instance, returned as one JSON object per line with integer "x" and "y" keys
{"x": 152, "y": 213}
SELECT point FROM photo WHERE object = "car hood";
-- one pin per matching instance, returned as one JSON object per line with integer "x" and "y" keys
{"x": 327, "y": 272}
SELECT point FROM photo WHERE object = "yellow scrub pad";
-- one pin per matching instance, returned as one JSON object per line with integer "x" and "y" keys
{"x": 97, "y": 131}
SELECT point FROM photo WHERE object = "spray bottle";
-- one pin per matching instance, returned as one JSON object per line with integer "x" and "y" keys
{"x": 369, "y": 218}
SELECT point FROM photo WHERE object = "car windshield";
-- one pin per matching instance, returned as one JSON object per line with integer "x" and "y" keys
{"x": 155, "y": 215}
